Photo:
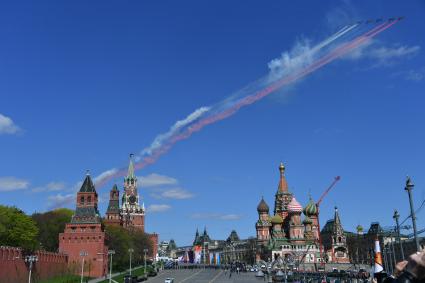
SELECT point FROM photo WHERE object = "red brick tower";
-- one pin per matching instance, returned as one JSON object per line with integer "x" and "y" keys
{"x": 113, "y": 216}
{"x": 83, "y": 237}
{"x": 282, "y": 198}
{"x": 339, "y": 241}
{"x": 132, "y": 213}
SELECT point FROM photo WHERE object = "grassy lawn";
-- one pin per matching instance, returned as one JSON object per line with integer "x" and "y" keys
{"x": 120, "y": 278}
{"x": 65, "y": 279}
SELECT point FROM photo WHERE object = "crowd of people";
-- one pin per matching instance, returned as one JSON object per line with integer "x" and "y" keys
{"x": 408, "y": 271}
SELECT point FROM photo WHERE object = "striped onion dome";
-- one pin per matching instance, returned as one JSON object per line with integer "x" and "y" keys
{"x": 311, "y": 208}
{"x": 294, "y": 206}
{"x": 277, "y": 219}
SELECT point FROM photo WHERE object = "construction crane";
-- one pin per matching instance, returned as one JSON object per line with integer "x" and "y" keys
{"x": 336, "y": 179}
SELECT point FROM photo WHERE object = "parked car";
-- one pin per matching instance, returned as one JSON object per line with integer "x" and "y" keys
{"x": 169, "y": 280}
{"x": 130, "y": 279}
{"x": 152, "y": 273}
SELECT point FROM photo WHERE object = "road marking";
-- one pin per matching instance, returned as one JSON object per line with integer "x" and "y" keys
{"x": 190, "y": 276}
{"x": 215, "y": 277}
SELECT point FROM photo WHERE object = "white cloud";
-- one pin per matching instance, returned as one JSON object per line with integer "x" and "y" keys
{"x": 416, "y": 75}
{"x": 158, "y": 208}
{"x": 7, "y": 126}
{"x": 50, "y": 187}
{"x": 104, "y": 197}
{"x": 383, "y": 55}
{"x": 8, "y": 184}
{"x": 59, "y": 200}
{"x": 387, "y": 53}
{"x": 176, "y": 193}
{"x": 153, "y": 180}
{"x": 300, "y": 56}
{"x": 76, "y": 187}
{"x": 216, "y": 216}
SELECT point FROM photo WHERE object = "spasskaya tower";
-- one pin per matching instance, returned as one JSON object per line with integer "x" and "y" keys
{"x": 132, "y": 213}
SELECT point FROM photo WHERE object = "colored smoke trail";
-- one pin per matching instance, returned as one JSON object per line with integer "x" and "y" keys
{"x": 296, "y": 68}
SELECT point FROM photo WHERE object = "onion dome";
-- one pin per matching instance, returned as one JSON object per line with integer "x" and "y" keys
{"x": 311, "y": 208}
{"x": 294, "y": 206}
{"x": 307, "y": 220}
{"x": 262, "y": 206}
{"x": 359, "y": 228}
{"x": 277, "y": 219}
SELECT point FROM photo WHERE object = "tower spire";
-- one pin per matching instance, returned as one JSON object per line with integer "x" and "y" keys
{"x": 130, "y": 174}
{"x": 283, "y": 185}
{"x": 336, "y": 217}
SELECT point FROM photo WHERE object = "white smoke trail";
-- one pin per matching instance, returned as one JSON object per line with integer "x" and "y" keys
{"x": 159, "y": 139}
{"x": 289, "y": 68}
{"x": 301, "y": 55}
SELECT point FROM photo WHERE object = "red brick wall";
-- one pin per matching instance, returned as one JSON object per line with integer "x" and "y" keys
{"x": 13, "y": 268}
{"x": 154, "y": 249}
{"x": 72, "y": 243}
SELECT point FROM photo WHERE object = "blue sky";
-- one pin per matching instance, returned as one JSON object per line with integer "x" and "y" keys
{"x": 83, "y": 84}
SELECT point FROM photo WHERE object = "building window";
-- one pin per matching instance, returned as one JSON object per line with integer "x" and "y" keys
{"x": 82, "y": 200}
{"x": 89, "y": 199}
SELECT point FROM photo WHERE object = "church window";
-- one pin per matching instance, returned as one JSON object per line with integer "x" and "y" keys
{"x": 89, "y": 199}
{"x": 339, "y": 239}
{"x": 82, "y": 200}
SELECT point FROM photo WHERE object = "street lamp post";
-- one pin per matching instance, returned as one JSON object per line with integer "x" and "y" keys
{"x": 393, "y": 250}
{"x": 111, "y": 253}
{"x": 145, "y": 251}
{"x": 30, "y": 259}
{"x": 130, "y": 251}
{"x": 409, "y": 188}
{"x": 396, "y": 217}
{"x": 384, "y": 252}
{"x": 269, "y": 275}
{"x": 83, "y": 254}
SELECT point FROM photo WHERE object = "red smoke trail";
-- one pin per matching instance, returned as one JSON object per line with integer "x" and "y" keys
{"x": 338, "y": 52}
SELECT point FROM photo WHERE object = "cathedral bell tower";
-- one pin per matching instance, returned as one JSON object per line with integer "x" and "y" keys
{"x": 132, "y": 213}
{"x": 282, "y": 199}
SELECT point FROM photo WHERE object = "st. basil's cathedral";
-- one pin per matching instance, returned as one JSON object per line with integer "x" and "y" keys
{"x": 285, "y": 234}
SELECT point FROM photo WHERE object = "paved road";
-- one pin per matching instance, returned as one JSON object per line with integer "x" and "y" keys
{"x": 203, "y": 276}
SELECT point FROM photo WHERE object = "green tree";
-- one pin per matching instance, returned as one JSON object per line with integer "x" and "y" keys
{"x": 50, "y": 224}
{"x": 120, "y": 240}
{"x": 17, "y": 229}
{"x": 139, "y": 242}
